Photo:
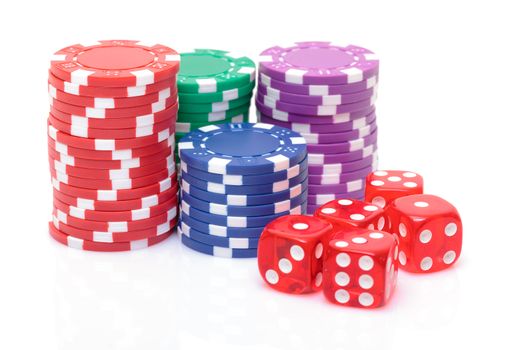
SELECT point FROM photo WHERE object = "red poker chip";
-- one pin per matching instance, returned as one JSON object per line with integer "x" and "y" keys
{"x": 108, "y": 144}
{"x": 113, "y": 63}
{"x": 114, "y": 112}
{"x": 111, "y": 174}
{"x": 132, "y": 204}
{"x": 83, "y": 244}
{"x": 112, "y": 237}
{"x": 116, "y": 123}
{"x": 165, "y": 147}
{"x": 115, "y": 226}
{"x": 109, "y": 164}
{"x": 128, "y": 215}
{"x": 111, "y": 92}
{"x": 92, "y": 133}
{"x": 109, "y": 102}
{"x": 117, "y": 184}
{"x": 114, "y": 195}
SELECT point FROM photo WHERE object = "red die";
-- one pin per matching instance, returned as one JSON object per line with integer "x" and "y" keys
{"x": 290, "y": 253}
{"x": 429, "y": 230}
{"x": 383, "y": 186}
{"x": 345, "y": 212}
{"x": 360, "y": 268}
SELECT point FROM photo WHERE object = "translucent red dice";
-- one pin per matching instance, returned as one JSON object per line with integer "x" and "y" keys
{"x": 429, "y": 230}
{"x": 344, "y": 212}
{"x": 383, "y": 186}
{"x": 360, "y": 268}
{"x": 290, "y": 253}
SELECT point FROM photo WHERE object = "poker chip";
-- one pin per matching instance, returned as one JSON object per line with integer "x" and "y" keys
{"x": 184, "y": 127}
{"x": 221, "y": 231}
{"x": 220, "y": 96}
{"x": 326, "y": 93}
{"x": 216, "y": 250}
{"x": 265, "y": 148}
{"x": 209, "y": 118}
{"x": 110, "y": 92}
{"x": 239, "y": 210}
{"x": 275, "y": 187}
{"x": 114, "y": 237}
{"x": 226, "y": 242}
{"x": 115, "y": 226}
{"x": 205, "y": 70}
{"x": 108, "y": 206}
{"x": 317, "y": 62}
{"x": 240, "y": 180}
{"x": 215, "y": 87}
{"x": 215, "y": 106}
{"x": 130, "y": 62}
{"x": 318, "y": 90}
{"x": 115, "y": 123}
{"x": 236, "y": 178}
{"x": 111, "y": 142}
{"x": 163, "y": 148}
{"x": 231, "y": 199}
{"x": 111, "y": 174}
{"x": 83, "y": 244}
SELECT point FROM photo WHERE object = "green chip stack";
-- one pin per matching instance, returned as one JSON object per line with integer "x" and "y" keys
{"x": 214, "y": 87}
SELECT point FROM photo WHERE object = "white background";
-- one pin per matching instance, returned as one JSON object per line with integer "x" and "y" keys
{"x": 450, "y": 107}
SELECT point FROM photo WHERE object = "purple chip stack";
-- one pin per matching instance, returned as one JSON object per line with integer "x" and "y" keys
{"x": 327, "y": 93}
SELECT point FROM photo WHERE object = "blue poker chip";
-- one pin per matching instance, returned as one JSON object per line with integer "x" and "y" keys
{"x": 239, "y": 180}
{"x": 238, "y": 210}
{"x": 245, "y": 189}
{"x": 230, "y": 199}
{"x": 218, "y": 251}
{"x": 226, "y": 242}
{"x": 242, "y": 149}
{"x": 221, "y": 231}
{"x": 238, "y": 221}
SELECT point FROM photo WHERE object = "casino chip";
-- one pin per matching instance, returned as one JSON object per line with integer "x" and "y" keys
{"x": 111, "y": 141}
{"x": 215, "y": 87}
{"x": 327, "y": 94}
{"x": 236, "y": 178}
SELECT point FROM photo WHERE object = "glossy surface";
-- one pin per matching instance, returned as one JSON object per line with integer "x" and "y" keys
{"x": 383, "y": 186}
{"x": 290, "y": 253}
{"x": 360, "y": 268}
{"x": 429, "y": 230}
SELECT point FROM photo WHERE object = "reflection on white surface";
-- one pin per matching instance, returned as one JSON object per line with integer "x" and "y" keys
{"x": 187, "y": 299}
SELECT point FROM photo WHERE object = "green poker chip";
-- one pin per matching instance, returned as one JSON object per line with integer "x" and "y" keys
{"x": 197, "y": 108}
{"x": 205, "y": 70}
{"x": 221, "y": 96}
{"x": 214, "y": 116}
{"x": 184, "y": 127}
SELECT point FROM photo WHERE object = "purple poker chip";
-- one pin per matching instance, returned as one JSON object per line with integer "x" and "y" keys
{"x": 315, "y": 110}
{"x": 321, "y": 128}
{"x": 319, "y": 158}
{"x": 320, "y": 199}
{"x": 338, "y": 137}
{"x": 327, "y": 100}
{"x": 341, "y": 168}
{"x": 352, "y": 145}
{"x": 308, "y": 119}
{"x": 346, "y": 187}
{"x": 317, "y": 90}
{"x": 336, "y": 179}
{"x": 316, "y": 62}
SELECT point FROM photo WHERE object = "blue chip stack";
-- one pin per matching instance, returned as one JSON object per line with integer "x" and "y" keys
{"x": 235, "y": 179}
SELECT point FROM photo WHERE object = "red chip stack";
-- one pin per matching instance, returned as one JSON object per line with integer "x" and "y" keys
{"x": 111, "y": 137}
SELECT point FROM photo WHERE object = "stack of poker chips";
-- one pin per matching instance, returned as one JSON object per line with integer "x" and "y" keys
{"x": 111, "y": 142}
{"x": 214, "y": 87}
{"x": 326, "y": 93}
{"x": 235, "y": 179}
